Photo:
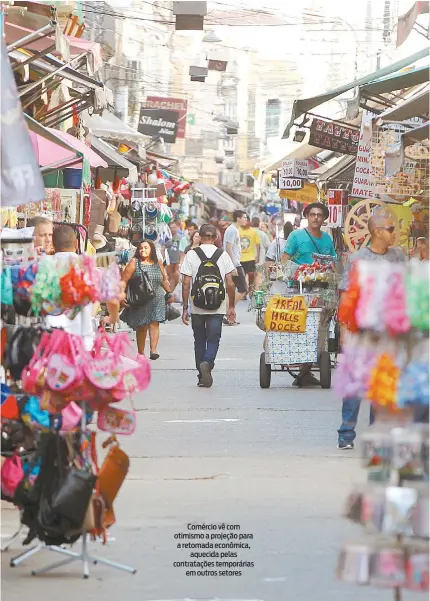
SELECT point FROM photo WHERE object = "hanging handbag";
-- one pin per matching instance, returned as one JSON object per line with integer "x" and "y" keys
{"x": 103, "y": 370}
{"x": 64, "y": 366}
{"x": 116, "y": 420}
{"x": 11, "y": 475}
{"x": 113, "y": 471}
{"x": 139, "y": 288}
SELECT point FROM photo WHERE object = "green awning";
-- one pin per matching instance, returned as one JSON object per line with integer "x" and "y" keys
{"x": 399, "y": 81}
{"x": 416, "y": 106}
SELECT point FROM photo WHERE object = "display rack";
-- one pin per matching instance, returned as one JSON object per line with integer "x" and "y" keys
{"x": 84, "y": 555}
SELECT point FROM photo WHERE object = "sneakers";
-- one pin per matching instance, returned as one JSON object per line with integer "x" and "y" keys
{"x": 345, "y": 446}
{"x": 206, "y": 380}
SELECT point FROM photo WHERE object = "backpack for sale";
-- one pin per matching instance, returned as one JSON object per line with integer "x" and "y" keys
{"x": 208, "y": 291}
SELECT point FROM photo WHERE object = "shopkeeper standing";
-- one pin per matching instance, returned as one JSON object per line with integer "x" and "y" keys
{"x": 304, "y": 243}
{"x": 300, "y": 247}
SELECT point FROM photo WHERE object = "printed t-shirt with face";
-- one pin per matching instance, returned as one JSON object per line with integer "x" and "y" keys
{"x": 232, "y": 237}
{"x": 249, "y": 238}
{"x": 173, "y": 248}
{"x": 301, "y": 246}
{"x": 191, "y": 265}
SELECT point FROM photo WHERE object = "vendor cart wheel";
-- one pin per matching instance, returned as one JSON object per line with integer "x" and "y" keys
{"x": 265, "y": 372}
{"x": 325, "y": 370}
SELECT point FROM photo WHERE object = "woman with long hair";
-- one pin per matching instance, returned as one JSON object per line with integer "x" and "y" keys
{"x": 146, "y": 318}
{"x": 194, "y": 242}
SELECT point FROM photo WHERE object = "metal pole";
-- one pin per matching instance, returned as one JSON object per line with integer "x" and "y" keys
{"x": 31, "y": 36}
{"x": 30, "y": 87}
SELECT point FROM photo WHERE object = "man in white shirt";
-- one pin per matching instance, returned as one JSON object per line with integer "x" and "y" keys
{"x": 232, "y": 246}
{"x": 65, "y": 245}
{"x": 206, "y": 323}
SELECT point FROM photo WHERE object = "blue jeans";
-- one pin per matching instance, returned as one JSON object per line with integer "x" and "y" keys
{"x": 207, "y": 334}
{"x": 350, "y": 410}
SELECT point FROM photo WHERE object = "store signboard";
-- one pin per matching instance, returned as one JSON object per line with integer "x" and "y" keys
{"x": 290, "y": 183}
{"x": 295, "y": 168}
{"x": 334, "y": 136}
{"x": 158, "y": 124}
{"x": 172, "y": 104}
{"x": 363, "y": 183}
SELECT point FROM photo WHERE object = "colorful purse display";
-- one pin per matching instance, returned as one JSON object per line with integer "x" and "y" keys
{"x": 117, "y": 421}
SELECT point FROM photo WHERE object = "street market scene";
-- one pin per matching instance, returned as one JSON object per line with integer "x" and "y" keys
{"x": 215, "y": 300}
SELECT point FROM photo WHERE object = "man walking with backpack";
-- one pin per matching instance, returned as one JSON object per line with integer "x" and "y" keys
{"x": 208, "y": 272}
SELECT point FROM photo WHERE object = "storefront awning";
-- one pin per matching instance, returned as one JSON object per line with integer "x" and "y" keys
{"x": 416, "y": 106}
{"x": 375, "y": 83}
{"x": 56, "y": 149}
{"x": 162, "y": 160}
{"x": 302, "y": 150}
{"x": 114, "y": 158}
{"x": 109, "y": 127}
{"x": 217, "y": 197}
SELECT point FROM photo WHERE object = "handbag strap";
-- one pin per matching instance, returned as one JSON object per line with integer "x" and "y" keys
{"x": 313, "y": 242}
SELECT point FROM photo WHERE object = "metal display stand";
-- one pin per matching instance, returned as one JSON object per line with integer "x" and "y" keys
{"x": 70, "y": 556}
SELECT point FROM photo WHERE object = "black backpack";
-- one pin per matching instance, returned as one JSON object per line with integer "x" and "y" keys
{"x": 208, "y": 291}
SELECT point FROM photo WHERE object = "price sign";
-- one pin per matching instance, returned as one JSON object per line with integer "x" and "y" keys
{"x": 335, "y": 216}
{"x": 286, "y": 314}
{"x": 290, "y": 183}
{"x": 295, "y": 168}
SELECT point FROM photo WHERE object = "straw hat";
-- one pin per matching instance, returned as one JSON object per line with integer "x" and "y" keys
{"x": 99, "y": 240}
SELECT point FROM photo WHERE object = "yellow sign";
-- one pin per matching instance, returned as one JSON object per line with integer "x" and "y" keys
{"x": 286, "y": 314}
{"x": 306, "y": 195}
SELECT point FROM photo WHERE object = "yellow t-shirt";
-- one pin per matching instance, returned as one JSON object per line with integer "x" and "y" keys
{"x": 249, "y": 239}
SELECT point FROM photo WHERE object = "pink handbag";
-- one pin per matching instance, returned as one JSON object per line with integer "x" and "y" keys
{"x": 103, "y": 369}
{"x": 11, "y": 475}
{"x": 64, "y": 365}
{"x": 70, "y": 417}
{"x": 136, "y": 372}
{"x": 117, "y": 421}
{"x": 31, "y": 375}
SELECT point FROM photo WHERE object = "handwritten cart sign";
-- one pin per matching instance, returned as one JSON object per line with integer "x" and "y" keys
{"x": 363, "y": 183}
{"x": 286, "y": 314}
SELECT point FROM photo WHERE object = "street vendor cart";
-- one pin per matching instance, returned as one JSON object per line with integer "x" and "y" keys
{"x": 296, "y": 308}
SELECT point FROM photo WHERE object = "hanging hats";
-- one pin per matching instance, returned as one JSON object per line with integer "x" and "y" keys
{"x": 99, "y": 240}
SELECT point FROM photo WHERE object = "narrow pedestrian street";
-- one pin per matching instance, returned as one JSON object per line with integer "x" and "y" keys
{"x": 265, "y": 460}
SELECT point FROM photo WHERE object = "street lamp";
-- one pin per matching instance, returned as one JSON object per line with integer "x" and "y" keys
{"x": 211, "y": 37}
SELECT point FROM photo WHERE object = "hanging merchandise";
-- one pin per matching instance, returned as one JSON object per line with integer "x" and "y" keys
{"x": 385, "y": 355}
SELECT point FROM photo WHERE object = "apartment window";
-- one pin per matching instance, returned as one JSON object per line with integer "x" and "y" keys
{"x": 210, "y": 140}
{"x": 273, "y": 117}
{"x": 193, "y": 147}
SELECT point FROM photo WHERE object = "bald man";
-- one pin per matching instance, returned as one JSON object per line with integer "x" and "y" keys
{"x": 382, "y": 237}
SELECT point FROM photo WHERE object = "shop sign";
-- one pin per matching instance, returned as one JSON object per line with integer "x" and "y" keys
{"x": 363, "y": 183}
{"x": 335, "y": 215}
{"x": 290, "y": 183}
{"x": 158, "y": 123}
{"x": 338, "y": 197}
{"x": 286, "y": 314}
{"x": 172, "y": 104}
{"x": 308, "y": 194}
{"x": 295, "y": 168}
{"x": 334, "y": 136}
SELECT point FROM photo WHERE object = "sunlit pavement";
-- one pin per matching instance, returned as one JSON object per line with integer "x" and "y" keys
{"x": 264, "y": 460}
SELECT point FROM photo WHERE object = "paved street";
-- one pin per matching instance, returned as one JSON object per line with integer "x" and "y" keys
{"x": 265, "y": 460}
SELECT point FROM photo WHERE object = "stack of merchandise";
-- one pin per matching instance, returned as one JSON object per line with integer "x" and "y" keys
{"x": 385, "y": 360}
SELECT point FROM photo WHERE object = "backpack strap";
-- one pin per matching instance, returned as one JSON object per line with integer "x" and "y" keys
{"x": 201, "y": 255}
{"x": 217, "y": 255}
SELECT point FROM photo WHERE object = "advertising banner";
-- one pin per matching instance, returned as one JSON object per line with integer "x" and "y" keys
{"x": 171, "y": 104}
{"x": 158, "y": 123}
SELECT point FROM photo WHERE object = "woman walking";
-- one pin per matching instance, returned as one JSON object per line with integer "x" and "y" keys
{"x": 194, "y": 242}
{"x": 146, "y": 318}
